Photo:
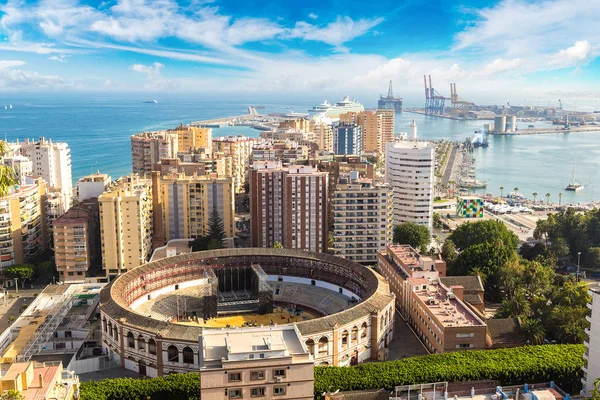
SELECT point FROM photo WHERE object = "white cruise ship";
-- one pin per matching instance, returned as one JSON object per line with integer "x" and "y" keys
{"x": 334, "y": 111}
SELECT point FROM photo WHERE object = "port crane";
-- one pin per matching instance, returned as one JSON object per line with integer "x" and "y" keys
{"x": 434, "y": 101}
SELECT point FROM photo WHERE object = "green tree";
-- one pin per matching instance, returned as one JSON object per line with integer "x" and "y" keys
{"x": 7, "y": 175}
{"x": 516, "y": 306}
{"x": 449, "y": 251}
{"x": 501, "y": 191}
{"x": 516, "y": 189}
{"x": 534, "y": 331}
{"x": 22, "y": 272}
{"x": 216, "y": 229}
{"x": 12, "y": 395}
{"x": 535, "y": 195}
{"x": 592, "y": 257}
{"x": 488, "y": 231}
{"x": 277, "y": 245}
{"x": 560, "y": 195}
{"x": 412, "y": 234}
{"x": 437, "y": 220}
{"x": 547, "y": 198}
{"x": 200, "y": 243}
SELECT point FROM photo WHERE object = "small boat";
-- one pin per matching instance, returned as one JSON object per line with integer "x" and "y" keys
{"x": 574, "y": 186}
{"x": 6, "y": 108}
{"x": 10, "y": 106}
{"x": 151, "y": 101}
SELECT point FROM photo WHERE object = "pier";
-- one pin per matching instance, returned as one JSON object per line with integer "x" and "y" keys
{"x": 550, "y": 129}
{"x": 216, "y": 123}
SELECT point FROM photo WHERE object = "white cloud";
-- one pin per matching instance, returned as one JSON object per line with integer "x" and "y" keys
{"x": 313, "y": 16}
{"x": 336, "y": 33}
{"x": 62, "y": 58}
{"x": 499, "y": 66}
{"x": 151, "y": 70}
{"x": 10, "y": 63}
{"x": 574, "y": 55}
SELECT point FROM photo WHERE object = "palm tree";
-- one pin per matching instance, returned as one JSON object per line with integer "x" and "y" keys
{"x": 516, "y": 191}
{"x": 501, "y": 191}
{"x": 484, "y": 188}
{"x": 559, "y": 198}
{"x": 7, "y": 175}
{"x": 534, "y": 196}
{"x": 477, "y": 271}
{"x": 534, "y": 331}
{"x": 547, "y": 198}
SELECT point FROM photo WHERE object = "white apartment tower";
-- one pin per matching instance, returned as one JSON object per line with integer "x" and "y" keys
{"x": 52, "y": 162}
{"x": 409, "y": 169}
{"x": 363, "y": 215}
{"x": 591, "y": 371}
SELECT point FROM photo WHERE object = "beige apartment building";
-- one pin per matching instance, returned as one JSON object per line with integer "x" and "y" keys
{"x": 239, "y": 148}
{"x": 189, "y": 164}
{"x": 363, "y": 216}
{"x": 192, "y": 138}
{"x": 126, "y": 224}
{"x": 372, "y": 125}
{"x": 266, "y": 362}
{"x": 183, "y": 204}
{"x": 77, "y": 240}
{"x": 288, "y": 205}
{"x": 148, "y": 148}
{"x": 437, "y": 313}
{"x": 41, "y": 381}
{"x": 322, "y": 128}
{"x": 92, "y": 186}
{"x": 387, "y": 127}
{"x": 300, "y": 124}
{"x": 23, "y": 223}
{"x": 287, "y": 151}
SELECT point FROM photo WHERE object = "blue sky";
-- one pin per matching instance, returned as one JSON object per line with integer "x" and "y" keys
{"x": 495, "y": 51}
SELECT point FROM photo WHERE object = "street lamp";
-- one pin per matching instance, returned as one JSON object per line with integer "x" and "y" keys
{"x": 578, "y": 258}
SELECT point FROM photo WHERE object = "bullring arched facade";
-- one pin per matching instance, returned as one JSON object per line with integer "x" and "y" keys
{"x": 154, "y": 347}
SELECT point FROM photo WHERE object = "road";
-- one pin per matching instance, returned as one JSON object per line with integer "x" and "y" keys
{"x": 450, "y": 165}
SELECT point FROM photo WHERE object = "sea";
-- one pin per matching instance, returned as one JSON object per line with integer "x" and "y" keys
{"x": 98, "y": 127}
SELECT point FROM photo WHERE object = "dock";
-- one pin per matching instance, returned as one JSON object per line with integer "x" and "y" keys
{"x": 553, "y": 129}
{"x": 226, "y": 121}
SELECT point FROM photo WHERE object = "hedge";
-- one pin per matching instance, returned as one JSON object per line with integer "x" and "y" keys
{"x": 559, "y": 363}
{"x": 528, "y": 364}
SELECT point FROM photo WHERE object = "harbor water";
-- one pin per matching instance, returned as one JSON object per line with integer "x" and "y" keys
{"x": 97, "y": 129}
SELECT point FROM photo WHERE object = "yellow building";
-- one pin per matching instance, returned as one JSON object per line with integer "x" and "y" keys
{"x": 239, "y": 148}
{"x": 299, "y": 124}
{"x": 191, "y": 138}
{"x": 23, "y": 230}
{"x": 387, "y": 126}
{"x": 148, "y": 148}
{"x": 323, "y": 132}
{"x": 372, "y": 128}
{"x": 183, "y": 205}
{"x": 126, "y": 224}
{"x": 41, "y": 381}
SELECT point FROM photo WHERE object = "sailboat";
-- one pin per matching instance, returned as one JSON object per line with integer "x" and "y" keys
{"x": 574, "y": 186}
{"x": 10, "y": 106}
{"x": 6, "y": 108}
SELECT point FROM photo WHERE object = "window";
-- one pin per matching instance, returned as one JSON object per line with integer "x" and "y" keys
{"x": 235, "y": 377}
{"x": 235, "y": 393}
{"x": 258, "y": 392}
{"x": 279, "y": 390}
{"x": 173, "y": 354}
{"x": 188, "y": 355}
{"x": 464, "y": 346}
{"x": 279, "y": 373}
{"x": 141, "y": 343}
{"x": 130, "y": 340}
{"x": 257, "y": 375}
{"x": 152, "y": 346}
{"x": 465, "y": 335}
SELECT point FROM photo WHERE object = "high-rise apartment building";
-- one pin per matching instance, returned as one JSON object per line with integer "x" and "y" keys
{"x": 347, "y": 138}
{"x": 92, "y": 186}
{"x": 239, "y": 148}
{"x": 371, "y": 124}
{"x": 183, "y": 204}
{"x": 409, "y": 169}
{"x": 286, "y": 151}
{"x": 387, "y": 127}
{"x": 300, "y": 124}
{"x": 148, "y": 148}
{"x": 322, "y": 127}
{"x": 195, "y": 164}
{"x": 52, "y": 162}
{"x": 23, "y": 231}
{"x": 591, "y": 370}
{"x": 363, "y": 216}
{"x": 192, "y": 138}
{"x": 21, "y": 165}
{"x": 288, "y": 205}
{"x": 77, "y": 240}
{"x": 126, "y": 224}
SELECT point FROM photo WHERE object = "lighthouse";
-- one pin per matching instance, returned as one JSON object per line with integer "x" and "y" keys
{"x": 413, "y": 130}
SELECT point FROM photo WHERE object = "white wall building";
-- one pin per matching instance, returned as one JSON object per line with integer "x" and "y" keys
{"x": 363, "y": 216}
{"x": 52, "y": 162}
{"x": 591, "y": 371}
{"x": 409, "y": 169}
{"x": 21, "y": 165}
{"x": 92, "y": 185}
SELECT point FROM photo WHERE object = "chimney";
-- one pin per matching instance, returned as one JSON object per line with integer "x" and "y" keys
{"x": 41, "y": 379}
{"x": 458, "y": 291}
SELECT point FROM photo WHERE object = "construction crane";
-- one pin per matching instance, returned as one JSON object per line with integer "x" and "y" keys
{"x": 434, "y": 102}
{"x": 456, "y": 101}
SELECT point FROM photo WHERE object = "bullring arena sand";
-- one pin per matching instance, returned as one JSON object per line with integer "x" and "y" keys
{"x": 280, "y": 316}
